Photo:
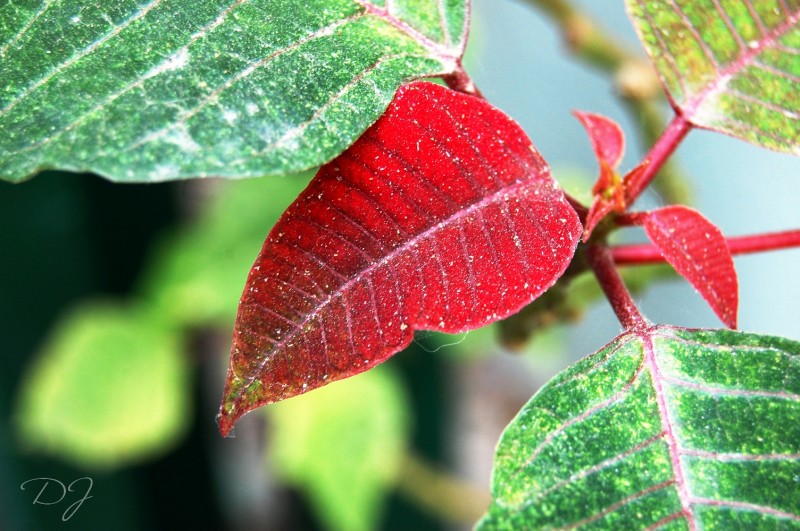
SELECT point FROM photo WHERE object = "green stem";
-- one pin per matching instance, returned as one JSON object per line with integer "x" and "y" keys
{"x": 635, "y": 79}
{"x": 583, "y": 37}
{"x": 441, "y": 494}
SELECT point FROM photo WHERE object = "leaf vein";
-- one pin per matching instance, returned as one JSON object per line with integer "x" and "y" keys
{"x": 36, "y": 16}
{"x": 78, "y": 56}
{"x": 611, "y": 508}
{"x": 599, "y": 467}
{"x": 343, "y": 289}
{"x": 681, "y": 484}
{"x": 747, "y": 507}
{"x": 215, "y": 94}
{"x": 729, "y": 391}
{"x": 154, "y": 71}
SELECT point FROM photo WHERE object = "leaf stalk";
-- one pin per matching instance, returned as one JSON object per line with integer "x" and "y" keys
{"x": 639, "y": 254}
{"x": 658, "y": 155}
{"x": 601, "y": 261}
{"x": 460, "y": 81}
{"x": 634, "y": 77}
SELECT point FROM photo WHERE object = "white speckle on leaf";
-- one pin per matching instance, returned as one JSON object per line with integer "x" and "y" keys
{"x": 179, "y": 60}
{"x": 230, "y": 116}
{"x": 180, "y": 137}
{"x": 163, "y": 171}
{"x": 291, "y": 141}
{"x": 174, "y": 62}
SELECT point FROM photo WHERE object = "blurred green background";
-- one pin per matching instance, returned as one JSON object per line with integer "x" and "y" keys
{"x": 117, "y": 302}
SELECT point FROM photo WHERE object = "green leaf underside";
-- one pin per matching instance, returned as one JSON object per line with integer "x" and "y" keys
{"x": 110, "y": 388}
{"x": 729, "y": 65}
{"x": 343, "y": 445}
{"x": 666, "y": 427}
{"x": 163, "y": 89}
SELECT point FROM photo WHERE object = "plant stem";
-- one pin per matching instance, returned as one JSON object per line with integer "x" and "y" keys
{"x": 658, "y": 155}
{"x": 583, "y": 37}
{"x": 579, "y": 207}
{"x": 671, "y": 184}
{"x": 634, "y": 77}
{"x": 441, "y": 494}
{"x": 602, "y": 264}
{"x": 770, "y": 241}
{"x": 460, "y": 81}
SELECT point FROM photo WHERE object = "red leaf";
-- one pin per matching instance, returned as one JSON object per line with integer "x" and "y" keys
{"x": 697, "y": 250}
{"x": 442, "y": 216}
{"x": 608, "y": 140}
{"x": 600, "y": 208}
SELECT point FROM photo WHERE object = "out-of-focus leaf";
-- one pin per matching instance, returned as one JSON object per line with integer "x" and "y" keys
{"x": 663, "y": 428}
{"x": 110, "y": 388}
{"x": 195, "y": 277}
{"x": 165, "y": 89}
{"x": 730, "y": 66}
{"x": 697, "y": 250}
{"x": 441, "y": 217}
{"x": 343, "y": 446}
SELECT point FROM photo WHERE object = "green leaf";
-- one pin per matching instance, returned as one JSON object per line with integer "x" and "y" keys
{"x": 662, "y": 427}
{"x": 110, "y": 388}
{"x": 729, "y": 65}
{"x": 166, "y": 89}
{"x": 342, "y": 445}
{"x": 197, "y": 275}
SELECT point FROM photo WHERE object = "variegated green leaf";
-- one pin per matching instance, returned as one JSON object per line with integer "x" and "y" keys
{"x": 664, "y": 428}
{"x": 729, "y": 65}
{"x": 152, "y": 90}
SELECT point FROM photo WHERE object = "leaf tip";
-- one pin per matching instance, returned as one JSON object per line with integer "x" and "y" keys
{"x": 228, "y": 414}
{"x": 730, "y": 316}
{"x": 225, "y": 424}
{"x": 238, "y": 398}
{"x": 606, "y": 136}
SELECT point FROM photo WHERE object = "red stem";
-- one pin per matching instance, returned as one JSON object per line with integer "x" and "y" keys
{"x": 630, "y": 219}
{"x": 669, "y": 140}
{"x": 460, "y": 81}
{"x": 602, "y": 263}
{"x": 579, "y": 207}
{"x": 771, "y": 241}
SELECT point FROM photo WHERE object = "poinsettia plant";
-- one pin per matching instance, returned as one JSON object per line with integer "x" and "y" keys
{"x": 433, "y": 210}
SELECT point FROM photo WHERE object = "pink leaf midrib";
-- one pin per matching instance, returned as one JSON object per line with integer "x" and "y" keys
{"x": 497, "y": 196}
{"x": 442, "y": 52}
{"x": 670, "y": 437}
{"x": 689, "y": 108}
